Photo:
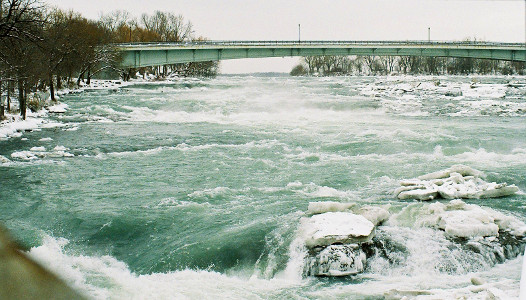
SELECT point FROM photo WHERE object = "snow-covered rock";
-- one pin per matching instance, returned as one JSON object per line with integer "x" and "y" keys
{"x": 459, "y": 219}
{"x": 456, "y": 182}
{"x": 375, "y": 214}
{"x": 335, "y": 227}
{"x": 328, "y": 206}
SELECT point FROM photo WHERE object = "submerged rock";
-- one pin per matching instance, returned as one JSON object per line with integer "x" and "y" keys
{"x": 336, "y": 260}
{"x": 459, "y": 181}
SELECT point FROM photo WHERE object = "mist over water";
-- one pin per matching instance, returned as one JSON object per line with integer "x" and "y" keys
{"x": 195, "y": 188}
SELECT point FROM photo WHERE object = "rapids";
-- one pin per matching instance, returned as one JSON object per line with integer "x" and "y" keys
{"x": 195, "y": 188}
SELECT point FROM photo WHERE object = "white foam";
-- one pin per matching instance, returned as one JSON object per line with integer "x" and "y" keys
{"x": 104, "y": 277}
{"x": 523, "y": 278}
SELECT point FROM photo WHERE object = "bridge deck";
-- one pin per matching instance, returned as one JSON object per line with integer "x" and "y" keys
{"x": 151, "y": 54}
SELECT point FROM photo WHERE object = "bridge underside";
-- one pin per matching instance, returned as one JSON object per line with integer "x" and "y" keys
{"x": 135, "y": 58}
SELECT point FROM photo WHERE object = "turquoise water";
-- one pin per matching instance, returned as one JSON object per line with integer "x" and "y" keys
{"x": 195, "y": 188}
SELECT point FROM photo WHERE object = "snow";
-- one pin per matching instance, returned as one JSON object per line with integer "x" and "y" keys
{"x": 459, "y": 219}
{"x": 40, "y": 152}
{"x": 16, "y": 127}
{"x": 335, "y": 227}
{"x": 374, "y": 214}
{"x": 459, "y": 181}
{"x": 328, "y": 206}
{"x": 58, "y": 108}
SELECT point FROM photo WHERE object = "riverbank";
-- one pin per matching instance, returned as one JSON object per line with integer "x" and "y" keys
{"x": 14, "y": 125}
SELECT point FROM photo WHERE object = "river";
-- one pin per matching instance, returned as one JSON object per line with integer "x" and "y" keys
{"x": 195, "y": 188}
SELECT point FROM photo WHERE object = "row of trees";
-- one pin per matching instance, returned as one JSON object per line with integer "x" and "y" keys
{"x": 384, "y": 65}
{"x": 158, "y": 27}
{"x": 43, "y": 48}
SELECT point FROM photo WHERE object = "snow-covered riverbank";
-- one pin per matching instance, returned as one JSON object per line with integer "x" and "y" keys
{"x": 15, "y": 126}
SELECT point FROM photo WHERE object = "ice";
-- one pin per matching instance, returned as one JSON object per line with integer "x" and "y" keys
{"x": 374, "y": 214}
{"x": 58, "y": 108}
{"x": 24, "y": 155}
{"x": 337, "y": 260}
{"x": 328, "y": 206}
{"x": 14, "y": 129}
{"x": 40, "y": 152}
{"x": 38, "y": 149}
{"x": 459, "y": 219}
{"x": 459, "y": 169}
{"x": 335, "y": 227}
{"x": 47, "y": 139}
{"x": 459, "y": 181}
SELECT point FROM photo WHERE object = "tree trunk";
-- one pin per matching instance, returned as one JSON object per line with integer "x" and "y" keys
{"x": 81, "y": 77}
{"x": 21, "y": 99}
{"x": 59, "y": 82}
{"x": 9, "y": 87}
{"x": 51, "y": 88}
{"x": 88, "y": 80}
{"x": 1, "y": 102}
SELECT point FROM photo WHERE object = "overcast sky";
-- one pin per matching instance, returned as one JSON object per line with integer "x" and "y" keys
{"x": 501, "y": 20}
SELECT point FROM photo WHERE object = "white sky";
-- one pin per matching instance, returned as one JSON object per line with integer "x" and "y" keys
{"x": 498, "y": 20}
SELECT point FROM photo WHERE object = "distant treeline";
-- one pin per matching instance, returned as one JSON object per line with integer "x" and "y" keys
{"x": 43, "y": 48}
{"x": 385, "y": 65}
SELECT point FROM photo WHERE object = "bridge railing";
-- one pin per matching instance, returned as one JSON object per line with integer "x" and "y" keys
{"x": 314, "y": 43}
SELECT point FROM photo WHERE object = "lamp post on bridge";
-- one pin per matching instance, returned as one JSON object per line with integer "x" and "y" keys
{"x": 429, "y": 34}
{"x": 299, "y": 33}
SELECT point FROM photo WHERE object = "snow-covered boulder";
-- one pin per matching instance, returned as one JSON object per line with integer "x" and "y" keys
{"x": 459, "y": 219}
{"x": 328, "y": 206}
{"x": 335, "y": 227}
{"x": 334, "y": 240}
{"x": 457, "y": 182}
{"x": 375, "y": 214}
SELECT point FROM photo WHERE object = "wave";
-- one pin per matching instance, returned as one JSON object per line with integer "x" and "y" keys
{"x": 104, "y": 277}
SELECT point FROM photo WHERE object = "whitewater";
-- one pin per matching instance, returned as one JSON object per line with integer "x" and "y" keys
{"x": 198, "y": 188}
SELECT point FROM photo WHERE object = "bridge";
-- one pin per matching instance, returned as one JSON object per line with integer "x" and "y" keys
{"x": 137, "y": 55}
